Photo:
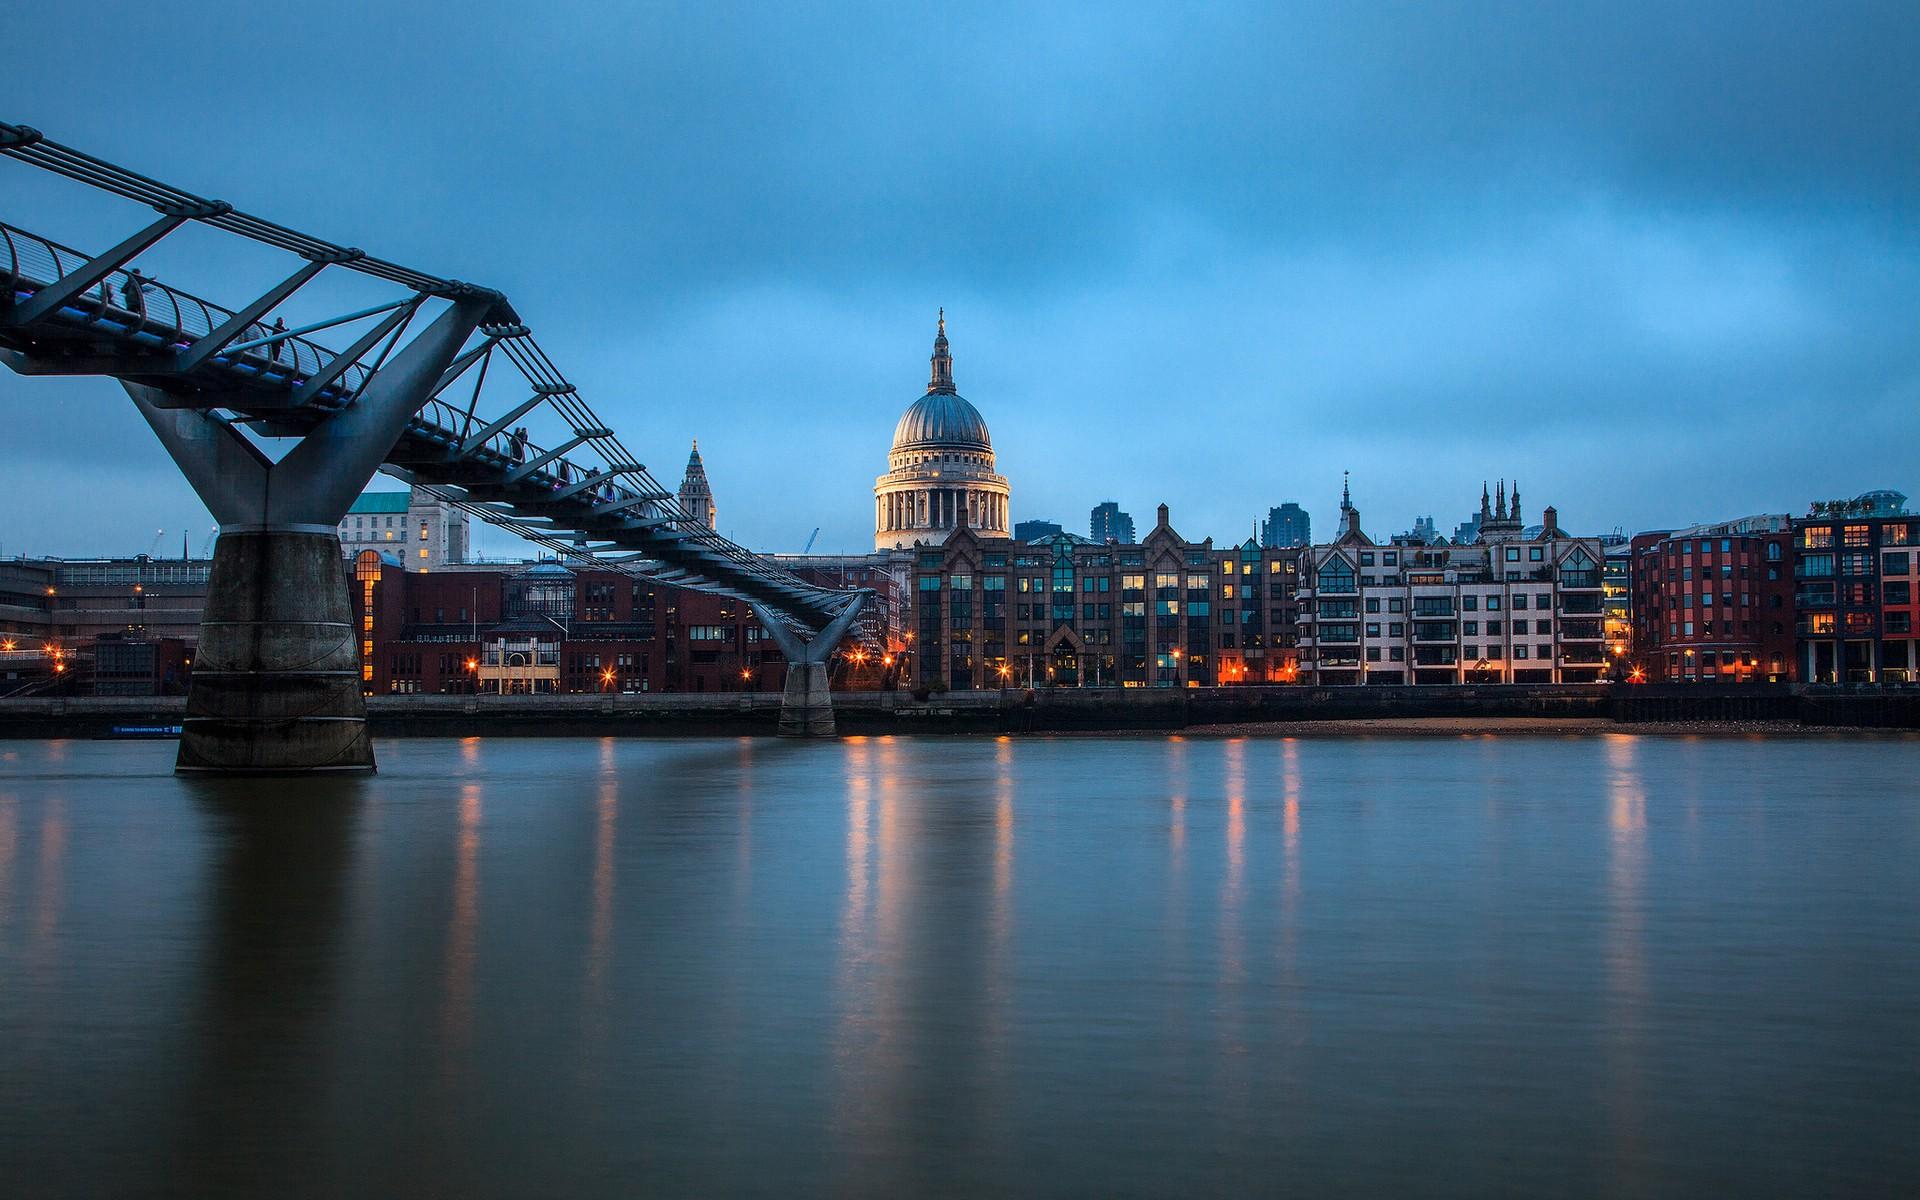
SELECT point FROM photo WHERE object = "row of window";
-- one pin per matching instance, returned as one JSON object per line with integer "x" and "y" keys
{"x": 1820, "y": 537}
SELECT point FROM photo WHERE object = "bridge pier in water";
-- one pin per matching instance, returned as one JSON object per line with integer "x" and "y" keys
{"x": 280, "y": 666}
{"x": 806, "y": 709}
{"x": 276, "y": 684}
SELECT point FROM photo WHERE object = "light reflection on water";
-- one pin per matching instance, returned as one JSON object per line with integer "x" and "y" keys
{"x": 889, "y": 967}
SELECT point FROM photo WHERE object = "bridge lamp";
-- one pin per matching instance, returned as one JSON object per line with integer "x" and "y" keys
{"x": 59, "y": 667}
{"x": 473, "y": 664}
{"x": 7, "y": 645}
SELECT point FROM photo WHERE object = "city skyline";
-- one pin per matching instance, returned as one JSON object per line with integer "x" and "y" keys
{"x": 1302, "y": 228}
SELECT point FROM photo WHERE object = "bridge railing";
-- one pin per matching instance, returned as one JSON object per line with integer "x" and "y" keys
{"x": 629, "y": 511}
{"x": 156, "y": 314}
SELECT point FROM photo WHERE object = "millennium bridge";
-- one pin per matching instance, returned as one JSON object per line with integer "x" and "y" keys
{"x": 440, "y": 383}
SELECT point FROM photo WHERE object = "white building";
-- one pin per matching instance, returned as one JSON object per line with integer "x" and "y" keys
{"x": 1507, "y": 608}
{"x": 420, "y": 529}
{"x": 940, "y": 472}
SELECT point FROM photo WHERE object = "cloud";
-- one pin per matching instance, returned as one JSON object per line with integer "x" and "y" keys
{"x": 1213, "y": 255}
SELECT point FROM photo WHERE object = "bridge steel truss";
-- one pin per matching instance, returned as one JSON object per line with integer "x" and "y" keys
{"x": 277, "y": 682}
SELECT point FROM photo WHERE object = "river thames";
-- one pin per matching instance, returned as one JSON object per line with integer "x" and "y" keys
{"x": 1606, "y": 965}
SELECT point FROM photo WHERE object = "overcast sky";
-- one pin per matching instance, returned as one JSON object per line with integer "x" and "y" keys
{"x": 1660, "y": 262}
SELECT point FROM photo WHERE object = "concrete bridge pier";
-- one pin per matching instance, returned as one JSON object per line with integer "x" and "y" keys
{"x": 806, "y": 710}
{"x": 276, "y": 680}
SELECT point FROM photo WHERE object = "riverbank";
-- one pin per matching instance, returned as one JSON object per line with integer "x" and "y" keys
{"x": 1239, "y": 711}
{"x": 1531, "y": 726}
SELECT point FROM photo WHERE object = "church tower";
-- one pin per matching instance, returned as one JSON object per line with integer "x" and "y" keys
{"x": 696, "y": 498}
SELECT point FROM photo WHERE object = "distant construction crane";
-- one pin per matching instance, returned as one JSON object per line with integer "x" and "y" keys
{"x": 810, "y": 537}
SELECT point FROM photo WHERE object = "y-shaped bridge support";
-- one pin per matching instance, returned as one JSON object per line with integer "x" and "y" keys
{"x": 276, "y": 681}
{"x": 807, "y": 708}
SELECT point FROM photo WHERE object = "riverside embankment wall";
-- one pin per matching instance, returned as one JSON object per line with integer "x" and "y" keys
{"x": 1019, "y": 711}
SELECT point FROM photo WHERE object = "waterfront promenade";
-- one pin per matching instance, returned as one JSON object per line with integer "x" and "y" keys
{"x": 1489, "y": 708}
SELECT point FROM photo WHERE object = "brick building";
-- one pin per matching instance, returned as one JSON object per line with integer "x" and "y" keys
{"x": 1062, "y": 612}
{"x": 1714, "y": 603}
{"x": 553, "y": 628}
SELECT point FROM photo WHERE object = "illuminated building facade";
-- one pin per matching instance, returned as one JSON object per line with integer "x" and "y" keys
{"x": 1856, "y": 574}
{"x": 1714, "y": 603}
{"x": 554, "y": 628}
{"x": 988, "y": 611}
{"x": 1508, "y": 608}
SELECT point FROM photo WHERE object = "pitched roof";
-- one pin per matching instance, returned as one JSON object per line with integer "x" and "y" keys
{"x": 380, "y": 502}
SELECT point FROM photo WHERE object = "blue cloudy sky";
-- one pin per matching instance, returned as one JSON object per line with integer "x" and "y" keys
{"x": 1659, "y": 262}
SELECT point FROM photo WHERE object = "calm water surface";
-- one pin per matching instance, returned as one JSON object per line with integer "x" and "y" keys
{"x": 1476, "y": 966}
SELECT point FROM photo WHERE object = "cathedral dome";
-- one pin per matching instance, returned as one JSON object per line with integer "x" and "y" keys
{"x": 940, "y": 473}
{"x": 943, "y": 419}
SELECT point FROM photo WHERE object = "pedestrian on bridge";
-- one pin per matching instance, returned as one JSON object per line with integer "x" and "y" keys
{"x": 134, "y": 292}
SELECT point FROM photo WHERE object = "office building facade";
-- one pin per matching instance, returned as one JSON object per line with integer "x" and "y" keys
{"x": 1063, "y": 612}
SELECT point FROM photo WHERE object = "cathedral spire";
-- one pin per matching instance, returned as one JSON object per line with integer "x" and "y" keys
{"x": 1346, "y": 494}
{"x": 1513, "y": 506}
{"x": 696, "y": 495}
{"x": 942, "y": 378}
{"x": 1500, "y": 501}
{"x": 1486, "y": 510}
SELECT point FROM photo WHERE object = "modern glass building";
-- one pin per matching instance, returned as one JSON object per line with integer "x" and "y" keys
{"x": 1109, "y": 524}
{"x": 1286, "y": 526}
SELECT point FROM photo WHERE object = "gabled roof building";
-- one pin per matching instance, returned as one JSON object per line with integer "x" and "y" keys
{"x": 1508, "y": 608}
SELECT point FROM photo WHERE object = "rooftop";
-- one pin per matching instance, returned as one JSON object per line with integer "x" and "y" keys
{"x": 380, "y": 502}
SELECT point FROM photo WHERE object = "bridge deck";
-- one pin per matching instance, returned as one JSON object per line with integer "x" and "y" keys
{"x": 134, "y": 327}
